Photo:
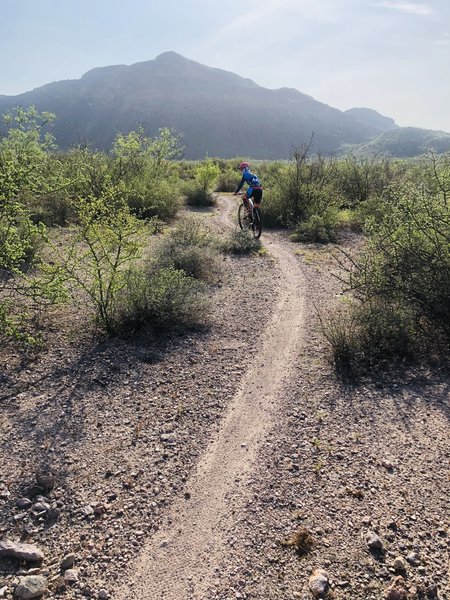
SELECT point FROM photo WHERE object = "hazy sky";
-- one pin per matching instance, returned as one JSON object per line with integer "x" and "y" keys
{"x": 389, "y": 55}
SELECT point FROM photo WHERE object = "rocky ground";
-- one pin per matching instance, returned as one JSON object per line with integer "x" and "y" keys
{"x": 351, "y": 480}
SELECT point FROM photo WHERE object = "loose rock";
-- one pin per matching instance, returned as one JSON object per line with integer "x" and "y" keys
{"x": 318, "y": 583}
{"x": 374, "y": 542}
{"x": 26, "y": 552}
{"x": 32, "y": 586}
{"x": 67, "y": 562}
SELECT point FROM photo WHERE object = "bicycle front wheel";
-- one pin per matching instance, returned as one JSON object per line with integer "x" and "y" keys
{"x": 243, "y": 218}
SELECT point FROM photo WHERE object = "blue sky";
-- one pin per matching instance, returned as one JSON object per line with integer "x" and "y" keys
{"x": 389, "y": 55}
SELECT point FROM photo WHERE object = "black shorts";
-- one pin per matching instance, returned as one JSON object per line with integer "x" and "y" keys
{"x": 256, "y": 196}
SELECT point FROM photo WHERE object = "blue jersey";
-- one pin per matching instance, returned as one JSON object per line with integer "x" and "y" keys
{"x": 251, "y": 180}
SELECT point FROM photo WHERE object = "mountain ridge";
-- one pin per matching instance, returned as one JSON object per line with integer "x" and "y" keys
{"x": 217, "y": 112}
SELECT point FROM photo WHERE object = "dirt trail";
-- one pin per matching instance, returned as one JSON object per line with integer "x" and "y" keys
{"x": 179, "y": 562}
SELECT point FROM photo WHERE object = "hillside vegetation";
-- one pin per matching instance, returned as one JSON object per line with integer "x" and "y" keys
{"x": 89, "y": 225}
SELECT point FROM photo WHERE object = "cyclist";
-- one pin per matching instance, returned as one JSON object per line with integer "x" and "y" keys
{"x": 254, "y": 190}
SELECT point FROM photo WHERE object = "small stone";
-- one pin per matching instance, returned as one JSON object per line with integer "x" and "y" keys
{"x": 318, "y": 583}
{"x": 102, "y": 594}
{"x": 374, "y": 542}
{"x": 32, "y": 586}
{"x": 24, "y": 503}
{"x": 413, "y": 558}
{"x": 20, "y": 516}
{"x": 399, "y": 564}
{"x": 87, "y": 511}
{"x": 71, "y": 576}
{"x": 67, "y": 562}
{"x": 397, "y": 590}
{"x": 21, "y": 551}
{"x": 45, "y": 480}
{"x": 40, "y": 507}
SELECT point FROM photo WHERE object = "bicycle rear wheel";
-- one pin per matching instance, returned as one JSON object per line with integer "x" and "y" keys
{"x": 257, "y": 223}
{"x": 244, "y": 218}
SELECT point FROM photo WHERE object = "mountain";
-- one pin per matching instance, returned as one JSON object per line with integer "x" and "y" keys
{"x": 404, "y": 142}
{"x": 217, "y": 112}
{"x": 373, "y": 120}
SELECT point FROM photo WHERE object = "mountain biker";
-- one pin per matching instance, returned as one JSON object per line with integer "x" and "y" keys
{"x": 254, "y": 190}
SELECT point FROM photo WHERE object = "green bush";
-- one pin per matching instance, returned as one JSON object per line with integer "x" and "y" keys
{"x": 160, "y": 300}
{"x": 227, "y": 181}
{"x": 241, "y": 242}
{"x": 199, "y": 191}
{"x": 149, "y": 199}
{"x": 407, "y": 257}
{"x": 189, "y": 247}
{"x": 370, "y": 335}
{"x": 401, "y": 280}
{"x": 320, "y": 229}
{"x": 197, "y": 196}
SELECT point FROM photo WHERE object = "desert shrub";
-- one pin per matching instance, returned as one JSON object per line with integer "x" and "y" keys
{"x": 401, "y": 280}
{"x": 370, "y": 210}
{"x": 189, "y": 247}
{"x": 196, "y": 196}
{"x": 104, "y": 246}
{"x": 148, "y": 199}
{"x": 240, "y": 241}
{"x": 319, "y": 229}
{"x": 348, "y": 219}
{"x": 24, "y": 164}
{"x": 51, "y": 209}
{"x": 302, "y": 187}
{"x": 227, "y": 181}
{"x": 275, "y": 210}
{"x": 199, "y": 191}
{"x": 359, "y": 179}
{"x": 370, "y": 335}
{"x": 407, "y": 257}
{"x": 160, "y": 300}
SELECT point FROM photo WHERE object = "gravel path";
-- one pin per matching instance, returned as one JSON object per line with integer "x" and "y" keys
{"x": 179, "y": 561}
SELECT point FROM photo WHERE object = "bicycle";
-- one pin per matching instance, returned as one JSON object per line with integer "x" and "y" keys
{"x": 249, "y": 217}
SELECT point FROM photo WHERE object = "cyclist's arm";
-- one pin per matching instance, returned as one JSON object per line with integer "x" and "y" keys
{"x": 238, "y": 189}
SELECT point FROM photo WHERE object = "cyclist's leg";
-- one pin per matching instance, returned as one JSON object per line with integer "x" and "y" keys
{"x": 249, "y": 196}
{"x": 257, "y": 198}
{"x": 245, "y": 199}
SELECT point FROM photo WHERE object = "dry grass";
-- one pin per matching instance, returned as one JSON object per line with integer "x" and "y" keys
{"x": 302, "y": 541}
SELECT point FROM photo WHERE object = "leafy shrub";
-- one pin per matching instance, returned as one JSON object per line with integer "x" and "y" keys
{"x": 191, "y": 248}
{"x": 407, "y": 257}
{"x": 104, "y": 246}
{"x": 227, "y": 181}
{"x": 196, "y": 196}
{"x": 401, "y": 281}
{"x": 148, "y": 199}
{"x": 52, "y": 209}
{"x": 161, "y": 300}
{"x": 370, "y": 334}
{"x": 198, "y": 193}
{"x": 317, "y": 229}
{"x": 241, "y": 242}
